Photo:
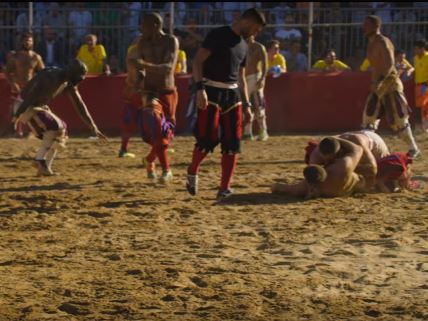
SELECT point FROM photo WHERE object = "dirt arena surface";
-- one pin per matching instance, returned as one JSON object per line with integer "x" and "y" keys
{"x": 102, "y": 242}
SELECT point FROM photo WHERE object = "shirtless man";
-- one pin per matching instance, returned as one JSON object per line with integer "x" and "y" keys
{"x": 34, "y": 110}
{"x": 337, "y": 178}
{"x": 386, "y": 96}
{"x": 21, "y": 67}
{"x": 255, "y": 72}
{"x": 374, "y": 149}
{"x": 155, "y": 60}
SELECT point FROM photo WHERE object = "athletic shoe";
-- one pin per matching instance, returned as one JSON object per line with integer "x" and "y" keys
{"x": 248, "y": 137}
{"x": 150, "y": 168}
{"x": 42, "y": 168}
{"x": 166, "y": 177}
{"x": 221, "y": 195}
{"x": 192, "y": 184}
{"x": 123, "y": 153}
{"x": 263, "y": 137}
{"x": 414, "y": 153}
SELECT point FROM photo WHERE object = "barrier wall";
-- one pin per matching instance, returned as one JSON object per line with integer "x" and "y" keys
{"x": 297, "y": 102}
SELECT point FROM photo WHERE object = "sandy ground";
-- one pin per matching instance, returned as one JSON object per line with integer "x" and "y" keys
{"x": 102, "y": 242}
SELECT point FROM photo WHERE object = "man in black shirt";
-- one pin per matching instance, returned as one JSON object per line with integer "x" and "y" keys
{"x": 218, "y": 67}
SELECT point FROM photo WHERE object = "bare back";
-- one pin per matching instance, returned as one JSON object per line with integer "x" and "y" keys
{"x": 163, "y": 52}
{"x": 255, "y": 58}
{"x": 380, "y": 53}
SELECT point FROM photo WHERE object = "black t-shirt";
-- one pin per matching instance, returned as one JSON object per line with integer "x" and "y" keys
{"x": 228, "y": 54}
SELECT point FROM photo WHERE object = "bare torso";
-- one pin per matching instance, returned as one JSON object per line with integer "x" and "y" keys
{"x": 380, "y": 53}
{"x": 23, "y": 66}
{"x": 161, "y": 50}
{"x": 255, "y": 58}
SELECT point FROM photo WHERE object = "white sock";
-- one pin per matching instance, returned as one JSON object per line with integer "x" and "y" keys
{"x": 407, "y": 136}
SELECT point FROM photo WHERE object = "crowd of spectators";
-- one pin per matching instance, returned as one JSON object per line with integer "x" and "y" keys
{"x": 61, "y": 30}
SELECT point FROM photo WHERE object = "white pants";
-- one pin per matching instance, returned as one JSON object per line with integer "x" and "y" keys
{"x": 258, "y": 101}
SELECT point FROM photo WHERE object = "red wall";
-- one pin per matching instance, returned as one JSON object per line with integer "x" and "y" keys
{"x": 298, "y": 102}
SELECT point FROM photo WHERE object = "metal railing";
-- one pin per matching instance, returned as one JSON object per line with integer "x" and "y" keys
{"x": 116, "y": 28}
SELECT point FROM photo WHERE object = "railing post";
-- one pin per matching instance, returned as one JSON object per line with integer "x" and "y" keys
{"x": 171, "y": 17}
{"x": 310, "y": 22}
{"x": 30, "y": 16}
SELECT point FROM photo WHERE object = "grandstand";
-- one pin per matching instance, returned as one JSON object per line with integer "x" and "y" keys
{"x": 335, "y": 24}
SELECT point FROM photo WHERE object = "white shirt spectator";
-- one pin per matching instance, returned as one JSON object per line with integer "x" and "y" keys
{"x": 80, "y": 20}
{"x": 290, "y": 34}
{"x": 133, "y": 19}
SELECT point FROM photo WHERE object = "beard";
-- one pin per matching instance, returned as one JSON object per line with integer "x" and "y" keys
{"x": 26, "y": 48}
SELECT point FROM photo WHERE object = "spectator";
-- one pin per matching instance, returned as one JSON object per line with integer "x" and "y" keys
{"x": 180, "y": 9}
{"x": 80, "y": 21}
{"x": 288, "y": 34}
{"x": 330, "y": 63}
{"x": 421, "y": 81}
{"x": 114, "y": 64}
{"x": 181, "y": 66}
{"x": 50, "y": 48}
{"x": 131, "y": 13}
{"x": 296, "y": 60}
{"x": 365, "y": 66}
{"x": 94, "y": 56}
{"x": 191, "y": 39}
{"x": 279, "y": 13}
{"x": 276, "y": 61}
{"x": 404, "y": 68}
{"x": 56, "y": 20}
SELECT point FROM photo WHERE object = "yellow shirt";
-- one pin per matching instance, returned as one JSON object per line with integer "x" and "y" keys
{"x": 94, "y": 59}
{"x": 131, "y": 47}
{"x": 278, "y": 59}
{"x": 321, "y": 65}
{"x": 365, "y": 65}
{"x": 421, "y": 68}
{"x": 180, "y": 61}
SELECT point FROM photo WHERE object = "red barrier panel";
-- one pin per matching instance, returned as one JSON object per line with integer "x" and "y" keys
{"x": 298, "y": 102}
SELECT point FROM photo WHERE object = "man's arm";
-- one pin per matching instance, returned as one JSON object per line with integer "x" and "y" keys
{"x": 243, "y": 85}
{"x": 299, "y": 189}
{"x": 198, "y": 62}
{"x": 264, "y": 60}
{"x": 40, "y": 65}
{"x": 388, "y": 57}
{"x": 81, "y": 108}
{"x": 353, "y": 154}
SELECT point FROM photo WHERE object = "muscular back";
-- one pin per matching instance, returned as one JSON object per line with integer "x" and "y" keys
{"x": 380, "y": 53}
{"x": 255, "y": 58}
{"x": 42, "y": 88}
{"x": 163, "y": 52}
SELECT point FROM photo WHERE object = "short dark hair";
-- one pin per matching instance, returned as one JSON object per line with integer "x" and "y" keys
{"x": 26, "y": 35}
{"x": 329, "y": 146}
{"x": 421, "y": 43}
{"x": 314, "y": 174}
{"x": 399, "y": 52}
{"x": 155, "y": 17}
{"x": 328, "y": 51}
{"x": 256, "y": 15}
{"x": 272, "y": 43}
{"x": 376, "y": 20}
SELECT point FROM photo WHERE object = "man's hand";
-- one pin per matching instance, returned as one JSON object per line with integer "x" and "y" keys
{"x": 14, "y": 87}
{"x": 100, "y": 135}
{"x": 248, "y": 115}
{"x": 201, "y": 99}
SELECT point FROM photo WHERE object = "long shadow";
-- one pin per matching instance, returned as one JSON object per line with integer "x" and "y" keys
{"x": 129, "y": 203}
{"x": 32, "y": 188}
{"x": 258, "y": 199}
